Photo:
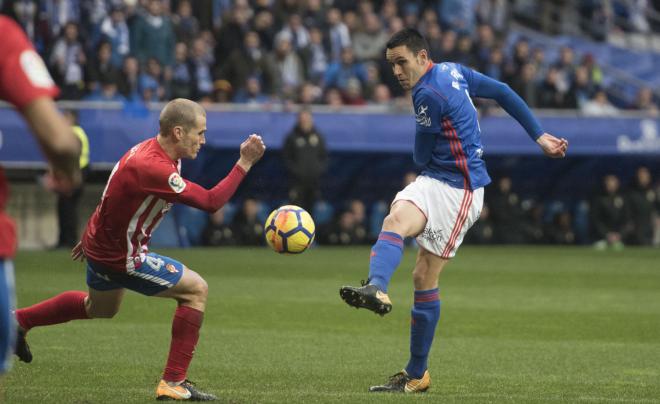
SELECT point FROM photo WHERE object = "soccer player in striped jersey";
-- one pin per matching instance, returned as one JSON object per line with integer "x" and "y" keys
{"x": 26, "y": 84}
{"x": 446, "y": 198}
{"x": 141, "y": 189}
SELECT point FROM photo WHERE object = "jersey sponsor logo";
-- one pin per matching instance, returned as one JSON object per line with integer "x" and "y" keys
{"x": 176, "y": 183}
{"x": 422, "y": 117}
{"x": 35, "y": 69}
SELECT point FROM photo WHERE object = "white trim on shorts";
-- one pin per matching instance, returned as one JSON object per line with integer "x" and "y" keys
{"x": 449, "y": 213}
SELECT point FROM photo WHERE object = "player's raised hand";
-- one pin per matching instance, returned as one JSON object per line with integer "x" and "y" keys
{"x": 78, "y": 254}
{"x": 251, "y": 151}
{"x": 552, "y": 146}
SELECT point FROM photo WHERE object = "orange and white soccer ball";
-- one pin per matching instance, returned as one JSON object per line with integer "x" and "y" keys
{"x": 289, "y": 229}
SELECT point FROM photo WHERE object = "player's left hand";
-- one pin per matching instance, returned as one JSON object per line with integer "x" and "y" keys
{"x": 552, "y": 146}
{"x": 78, "y": 254}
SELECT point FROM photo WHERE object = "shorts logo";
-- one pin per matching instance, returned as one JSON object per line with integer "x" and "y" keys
{"x": 171, "y": 268}
{"x": 421, "y": 117}
{"x": 176, "y": 183}
{"x": 430, "y": 234}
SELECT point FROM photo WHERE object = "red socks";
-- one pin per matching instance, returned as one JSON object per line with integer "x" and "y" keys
{"x": 59, "y": 309}
{"x": 185, "y": 334}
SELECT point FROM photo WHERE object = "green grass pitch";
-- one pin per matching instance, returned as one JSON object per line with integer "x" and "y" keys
{"x": 518, "y": 324}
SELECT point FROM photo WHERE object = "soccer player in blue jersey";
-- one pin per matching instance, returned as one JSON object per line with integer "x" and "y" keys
{"x": 446, "y": 198}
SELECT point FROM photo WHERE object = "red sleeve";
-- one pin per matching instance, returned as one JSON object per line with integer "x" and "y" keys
{"x": 169, "y": 185}
{"x": 23, "y": 74}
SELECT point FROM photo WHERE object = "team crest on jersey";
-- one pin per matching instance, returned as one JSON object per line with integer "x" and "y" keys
{"x": 176, "y": 183}
{"x": 422, "y": 117}
{"x": 171, "y": 268}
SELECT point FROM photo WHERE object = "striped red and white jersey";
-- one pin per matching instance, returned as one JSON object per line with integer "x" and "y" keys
{"x": 141, "y": 189}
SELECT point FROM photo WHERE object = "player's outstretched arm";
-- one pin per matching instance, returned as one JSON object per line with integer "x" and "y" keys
{"x": 57, "y": 141}
{"x": 252, "y": 149}
{"x": 552, "y": 146}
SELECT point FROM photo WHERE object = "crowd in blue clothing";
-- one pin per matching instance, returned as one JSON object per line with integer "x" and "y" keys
{"x": 292, "y": 51}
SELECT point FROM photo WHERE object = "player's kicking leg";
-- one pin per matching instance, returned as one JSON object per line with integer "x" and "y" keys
{"x": 405, "y": 219}
{"x": 190, "y": 293}
{"x": 415, "y": 378}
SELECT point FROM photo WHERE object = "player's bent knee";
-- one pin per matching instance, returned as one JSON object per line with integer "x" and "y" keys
{"x": 102, "y": 312}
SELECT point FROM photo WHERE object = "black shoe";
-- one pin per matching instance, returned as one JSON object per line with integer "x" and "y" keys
{"x": 184, "y": 391}
{"x": 368, "y": 297}
{"x": 22, "y": 349}
{"x": 402, "y": 383}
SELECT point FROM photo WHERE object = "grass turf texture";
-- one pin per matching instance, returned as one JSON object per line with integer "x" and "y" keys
{"x": 518, "y": 325}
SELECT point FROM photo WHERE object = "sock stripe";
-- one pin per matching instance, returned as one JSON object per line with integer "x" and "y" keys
{"x": 386, "y": 237}
{"x": 427, "y": 298}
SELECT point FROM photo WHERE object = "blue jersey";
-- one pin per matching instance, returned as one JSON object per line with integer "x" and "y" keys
{"x": 447, "y": 129}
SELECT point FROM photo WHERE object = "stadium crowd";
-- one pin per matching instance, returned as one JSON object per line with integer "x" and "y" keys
{"x": 268, "y": 52}
{"x": 330, "y": 52}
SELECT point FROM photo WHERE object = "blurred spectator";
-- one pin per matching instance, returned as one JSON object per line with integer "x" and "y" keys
{"x": 314, "y": 13}
{"x": 644, "y": 202}
{"x": 246, "y": 61}
{"x": 107, "y": 90}
{"x": 333, "y": 98}
{"x": 599, "y": 105}
{"x": 561, "y": 229}
{"x": 68, "y": 204}
{"x": 285, "y": 68}
{"x": 309, "y": 94}
{"x": 252, "y": 93}
{"x": 525, "y": 85}
{"x": 464, "y": 53}
{"x": 247, "y": 226}
{"x": 129, "y": 79}
{"x": 217, "y": 232}
{"x": 26, "y": 15}
{"x": 434, "y": 39}
{"x": 340, "y": 73}
{"x": 222, "y": 92}
{"x": 549, "y": 95}
{"x": 483, "y": 46}
{"x": 230, "y": 36}
{"x": 315, "y": 56}
{"x": 353, "y": 93}
{"x": 369, "y": 42}
{"x": 582, "y": 90}
{"x": 345, "y": 231}
{"x": 594, "y": 71}
{"x": 495, "y": 66}
{"x": 495, "y": 13}
{"x": 565, "y": 69}
{"x": 381, "y": 95}
{"x": 186, "y": 26}
{"x": 338, "y": 34}
{"x": 59, "y": 13}
{"x": 100, "y": 69}
{"x": 447, "y": 47}
{"x": 359, "y": 212}
{"x": 305, "y": 155}
{"x": 458, "y": 15}
{"x": 201, "y": 62}
{"x": 295, "y": 32}
{"x": 181, "y": 85}
{"x": 67, "y": 62}
{"x": 644, "y": 102}
{"x": 610, "y": 215}
{"x": 506, "y": 213}
{"x": 150, "y": 82}
{"x": 265, "y": 28}
{"x": 152, "y": 36}
{"x": 113, "y": 28}
{"x": 483, "y": 231}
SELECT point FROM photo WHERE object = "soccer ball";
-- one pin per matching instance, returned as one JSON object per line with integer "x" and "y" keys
{"x": 289, "y": 229}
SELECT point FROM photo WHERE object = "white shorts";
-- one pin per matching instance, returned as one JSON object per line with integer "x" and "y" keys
{"x": 449, "y": 212}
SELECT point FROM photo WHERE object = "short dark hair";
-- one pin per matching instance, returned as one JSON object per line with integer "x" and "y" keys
{"x": 179, "y": 112}
{"x": 409, "y": 37}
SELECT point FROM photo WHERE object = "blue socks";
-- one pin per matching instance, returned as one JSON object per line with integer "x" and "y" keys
{"x": 425, "y": 315}
{"x": 385, "y": 257}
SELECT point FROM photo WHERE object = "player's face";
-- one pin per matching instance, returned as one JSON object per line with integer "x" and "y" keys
{"x": 406, "y": 66}
{"x": 193, "y": 140}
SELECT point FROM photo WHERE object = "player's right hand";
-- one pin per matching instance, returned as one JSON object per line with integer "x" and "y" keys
{"x": 552, "y": 146}
{"x": 252, "y": 149}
